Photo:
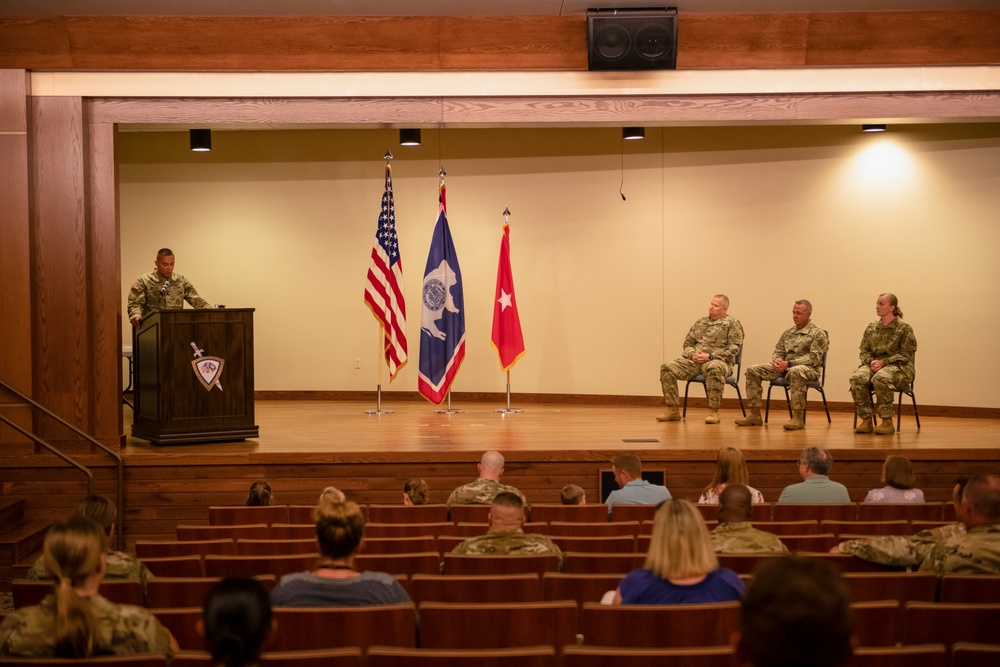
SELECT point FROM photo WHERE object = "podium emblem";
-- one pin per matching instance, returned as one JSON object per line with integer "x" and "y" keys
{"x": 207, "y": 369}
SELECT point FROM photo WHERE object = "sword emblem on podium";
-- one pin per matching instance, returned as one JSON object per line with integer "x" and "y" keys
{"x": 207, "y": 369}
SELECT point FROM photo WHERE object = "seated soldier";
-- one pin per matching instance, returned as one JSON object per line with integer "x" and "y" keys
{"x": 734, "y": 534}
{"x": 505, "y": 536}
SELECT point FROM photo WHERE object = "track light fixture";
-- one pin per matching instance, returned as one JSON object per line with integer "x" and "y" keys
{"x": 873, "y": 127}
{"x": 201, "y": 140}
{"x": 409, "y": 137}
{"x": 632, "y": 133}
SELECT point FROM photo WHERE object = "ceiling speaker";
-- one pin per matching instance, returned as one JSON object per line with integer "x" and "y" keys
{"x": 631, "y": 39}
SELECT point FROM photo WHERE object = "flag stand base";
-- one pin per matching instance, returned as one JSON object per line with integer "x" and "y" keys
{"x": 378, "y": 404}
{"x": 508, "y": 409}
{"x": 448, "y": 410}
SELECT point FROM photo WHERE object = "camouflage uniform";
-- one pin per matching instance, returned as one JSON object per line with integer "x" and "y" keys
{"x": 945, "y": 550}
{"x": 510, "y": 543}
{"x": 120, "y": 566}
{"x": 741, "y": 537}
{"x": 123, "y": 630}
{"x": 894, "y": 344}
{"x": 144, "y": 297}
{"x": 481, "y": 492}
{"x": 803, "y": 349}
{"x": 720, "y": 338}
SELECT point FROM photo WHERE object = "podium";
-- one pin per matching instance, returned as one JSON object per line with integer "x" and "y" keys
{"x": 193, "y": 376}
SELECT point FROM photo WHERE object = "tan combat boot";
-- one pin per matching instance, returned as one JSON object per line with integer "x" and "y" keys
{"x": 864, "y": 425}
{"x": 671, "y": 415}
{"x": 798, "y": 421}
{"x": 712, "y": 418}
{"x": 885, "y": 428}
{"x": 752, "y": 419}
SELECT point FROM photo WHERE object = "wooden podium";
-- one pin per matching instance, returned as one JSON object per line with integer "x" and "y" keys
{"x": 194, "y": 376}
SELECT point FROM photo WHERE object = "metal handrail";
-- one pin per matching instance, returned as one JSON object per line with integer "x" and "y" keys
{"x": 65, "y": 457}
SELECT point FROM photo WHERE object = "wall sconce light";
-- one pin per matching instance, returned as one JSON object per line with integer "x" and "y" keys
{"x": 632, "y": 133}
{"x": 873, "y": 127}
{"x": 409, "y": 137}
{"x": 201, "y": 140}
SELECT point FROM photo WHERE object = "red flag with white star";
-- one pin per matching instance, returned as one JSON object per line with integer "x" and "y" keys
{"x": 506, "y": 339}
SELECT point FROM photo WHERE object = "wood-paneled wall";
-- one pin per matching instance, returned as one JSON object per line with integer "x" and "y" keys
{"x": 313, "y": 43}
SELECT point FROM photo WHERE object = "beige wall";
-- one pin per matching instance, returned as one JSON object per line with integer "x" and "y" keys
{"x": 283, "y": 221}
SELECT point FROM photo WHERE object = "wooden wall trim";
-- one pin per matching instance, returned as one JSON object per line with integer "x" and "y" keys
{"x": 316, "y": 43}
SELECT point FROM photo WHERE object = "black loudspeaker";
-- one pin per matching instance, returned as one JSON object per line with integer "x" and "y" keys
{"x": 631, "y": 39}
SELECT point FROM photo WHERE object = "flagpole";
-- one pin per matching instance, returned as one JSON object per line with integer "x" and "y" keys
{"x": 448, "y": 410}
{"x": 507, "y": 409}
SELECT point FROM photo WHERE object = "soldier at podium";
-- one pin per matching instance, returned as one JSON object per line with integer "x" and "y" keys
{"x": 161, "y": 288}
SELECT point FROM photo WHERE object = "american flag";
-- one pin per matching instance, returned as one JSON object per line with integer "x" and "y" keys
{"x": 384, "y": 288}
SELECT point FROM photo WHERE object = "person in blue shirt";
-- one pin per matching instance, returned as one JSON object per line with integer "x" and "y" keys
{"x": 633, "y": 490}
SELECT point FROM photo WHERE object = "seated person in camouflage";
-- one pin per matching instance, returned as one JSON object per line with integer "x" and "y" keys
{"x": 710, "y": 349}
{"x": 119, "y": 565}
{"x": 75, "y": 621}
{"x": 734, "y": 534}
{"x": 573, "y": 494}
{"x": 798, "y": 357}
{"x": 888, "y": 349}
{"x": 970, "y": 547}
{"x": 484, "y": 489}
{"x": 505, "y": 536}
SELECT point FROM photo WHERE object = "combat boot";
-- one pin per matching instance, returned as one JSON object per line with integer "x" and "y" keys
{"x": 752, "y": 419}
{"x": 671, "y": 415}
{"x": 798, "y": 421}
{"x": 885, "y": 428}
{"x": 864, "y": 425}
{"x": 712, "y": 418}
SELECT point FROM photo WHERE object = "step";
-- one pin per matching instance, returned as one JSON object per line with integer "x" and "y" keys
{"x": 21, "y": 540}
{"x": 11, "y": 511}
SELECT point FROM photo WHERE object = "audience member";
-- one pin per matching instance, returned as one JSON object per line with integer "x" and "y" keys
{"x": 730, "y": 468}
{"x": 484, "y": 490}
{"x": 332, "y": 494}
{"x": 334, "y": 582}
{"x": 415, "y": 491}
{"x": 75, "y": 621}
{"x": 119, "y": 565}
{"x": 797, "y": 611}
{"x": 633, "y": 489}
{"x": 817, "y": 487}
{"x": 236, "y": 620}
{"x": 505, "y": 536}
{"x": 897, "y": 473}
{"x": 573, "y": 494}
{"x": 972, "y": 547}
{"x": 681, "y": 566}
{"x": 734, "y": 534}
{"x": 260, "y": 494}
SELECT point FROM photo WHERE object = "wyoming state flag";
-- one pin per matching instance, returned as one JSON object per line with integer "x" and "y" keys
{"x": 506, "y": 339}
{"x": 442, "y": 316}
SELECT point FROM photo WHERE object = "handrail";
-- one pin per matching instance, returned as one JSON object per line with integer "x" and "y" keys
{"x": 90, "y": 476}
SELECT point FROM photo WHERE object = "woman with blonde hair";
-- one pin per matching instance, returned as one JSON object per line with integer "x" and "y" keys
{"x": 897, "y": 473}
{"x": 681, "y": 565}
{"x": 415, "y": 491}
{"x": 334, "y": 582}
{"x": 75, "y": 621}
{"x": 332, "y": 494}
{"x": 730, "y": 468}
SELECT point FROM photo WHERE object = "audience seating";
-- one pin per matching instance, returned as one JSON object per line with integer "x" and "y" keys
{"x": 499, "y": 565}
{"x": 820, "y": 512}
{"x": 183, "y": 625}
{"x": 143, "y": 660}
{"x": 398, "y": 545}
{"x": 476, "y": 588}
{"x": 902, "y": 586}
{"x": 659, "y": 625}
{"x": 447, "y": 543}
{"x": 579, "y": 587}
{"x": 924, "y": 655}
{"x": 850, "y": 563}
{"x": 156, "y": 549}
{"x": 806, "y": 527}
{"x": 578, "y": 562}
{"x": 123, "y": 591}
{"x": 236, "y": 515}
{"x": 256, "y": 531}
{"x": 302, "y": 514}
{"x": 758, "y": 512}
{"x": 530, "y": 656}
{"x": 818, "y": 542}
{"x": 646, "y": 527}
{"x": 966, "y": 588}
{"x": 638, "y": 513}
{"x": 448, "y": 625}
{"x": 895, "y": 511}
{"x": 896, "y": 527}
{"x": 275, "y": 547}
{"x": 877, "y": 623}
{"x": 332, "y": 627}
{"x": 744, "y": 563}
{"x": 179, "y": 592}
{"x": 470, "y": 513}
{"x": 549, "y": 512}
{"x": 252, "y": 566}
{"x": 292, "y": 531}
{"x": 466, "y": 529}
{"x": 431, "y": 513}
{"x": 176, "y": 566}
{"x": 426, "y": 562}
{"x": 948, "y": 513}
{"x": 407, "y": 529}
{"x": 949, "y": 623}
{"x": 967, "y": 654}
{"x": 581, "y": 529}
{"x": 604, "y": 545}
{"x": 607, "y": 656}
{"x": 333, "y": 657}
{"x": 918, "y": 525}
